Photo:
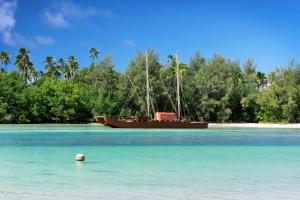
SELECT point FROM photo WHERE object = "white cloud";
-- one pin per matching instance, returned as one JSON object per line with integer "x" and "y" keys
{"x": 44, "y": 40}
{"x": 30, "y": 42}
{"x": 106, "y": 14}
{"x": 61, "y": 13}
{"x": 20, "y": 40}
{"x": 56, "y": 19}
{"x": 7, "y": 21}
{"x": 129, "y": 43}
{"x": 68, "y": 8}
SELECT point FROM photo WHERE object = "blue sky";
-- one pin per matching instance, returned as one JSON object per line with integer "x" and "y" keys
{"x": 267, "y": 31}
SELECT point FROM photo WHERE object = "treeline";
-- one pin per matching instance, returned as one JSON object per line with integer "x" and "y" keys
{"x": 216, "y": 89}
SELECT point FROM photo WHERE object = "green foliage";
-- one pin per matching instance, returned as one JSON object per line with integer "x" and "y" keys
{"x": 25, "y": 66}
{"x": 215, "y": 89}
{"x": 249, "y": 91}
{"x": 71, "y": 69}
{"x": 133, "y": 85}
{"x": 4, "y": 60}
{"x": 104, "y": 81}
{"x": 280, "y": 101}
{"x": 93, "y": 53}
{"x": 53, "y": 70}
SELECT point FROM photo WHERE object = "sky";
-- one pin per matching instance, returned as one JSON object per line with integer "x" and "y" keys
{"x": 267, "y": 31}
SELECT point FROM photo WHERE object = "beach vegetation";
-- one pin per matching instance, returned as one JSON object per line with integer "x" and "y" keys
{"x": 215, "y": 90}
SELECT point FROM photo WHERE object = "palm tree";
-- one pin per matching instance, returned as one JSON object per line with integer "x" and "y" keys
{"x": 61, "y": 63}
{"x": 5, "y": 60}
{"x": 67, "y": 72}
{"x": 49, "y": 61}
{"x": 52, "y": 69}
{"x": 262, "y": 80}
{"x": 61, "y": 66}
{"x": 93, "y": 53}
{"x": 56, "y": 72}
{"x": 72, "y": 67}
{"x": 33, "y": 75}
{"x": 23, "y": 63}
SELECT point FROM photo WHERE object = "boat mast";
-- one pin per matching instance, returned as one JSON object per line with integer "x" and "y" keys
{"x": 178, "y": 82}
{"x": 147, "y": 85}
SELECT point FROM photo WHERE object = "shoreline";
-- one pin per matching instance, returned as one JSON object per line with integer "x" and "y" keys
{"x": 210, "y": 125}
{"x": 253, "y": 125}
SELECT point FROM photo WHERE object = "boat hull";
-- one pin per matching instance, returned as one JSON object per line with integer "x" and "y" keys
{"x": 114, "y": 123}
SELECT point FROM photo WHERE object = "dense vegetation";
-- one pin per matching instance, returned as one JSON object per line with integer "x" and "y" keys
{"x": 218, "y": 89}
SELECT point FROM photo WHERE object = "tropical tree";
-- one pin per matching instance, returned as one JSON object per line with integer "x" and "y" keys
{"x": 4, "y": 60}
{"x": 248, "y": 92}
{"x": 61, "y": 65}
{"x": 216, "y": 89}
{"x": 24, "y": 64}
{"x": 72, "y": 68}
{"x": 53, "y": 70}
{"x": 133, "y": 86}
{"x": 262, "y": 80}
{"x": 49, "y": 61}
{"x": 67, "y": 72}
{"x": 280, "y": 100}
{"x": 35, "y": 74}
{"x": 93, "y": 53}
{"x": 172, "y": 69}
{"x": 105, "y": 89}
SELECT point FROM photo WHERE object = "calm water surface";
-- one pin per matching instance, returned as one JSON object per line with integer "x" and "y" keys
{"x": 37, "y": 162}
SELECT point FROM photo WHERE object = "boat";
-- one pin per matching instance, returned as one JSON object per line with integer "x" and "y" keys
{"x": 161, "y": 120}
{"x": 138, "y": 122}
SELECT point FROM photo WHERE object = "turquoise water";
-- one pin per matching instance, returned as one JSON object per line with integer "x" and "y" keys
{"x": 37, "y": 162}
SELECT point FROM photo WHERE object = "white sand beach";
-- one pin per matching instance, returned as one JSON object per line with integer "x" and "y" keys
{"x": 253, "y": 125}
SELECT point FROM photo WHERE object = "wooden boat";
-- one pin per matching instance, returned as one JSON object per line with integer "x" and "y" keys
{"x": 161, "y": 120}
{"x": 140, "y": 123}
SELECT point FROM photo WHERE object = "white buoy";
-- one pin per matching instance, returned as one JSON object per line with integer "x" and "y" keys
{"x": 80, "y": 157}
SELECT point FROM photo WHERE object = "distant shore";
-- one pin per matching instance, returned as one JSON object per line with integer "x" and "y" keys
{"x": 253, "y": 125}
{"x": 210, "y": 125}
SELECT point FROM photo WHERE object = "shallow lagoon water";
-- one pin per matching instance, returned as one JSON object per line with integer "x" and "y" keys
{"x": 37, "y": 162}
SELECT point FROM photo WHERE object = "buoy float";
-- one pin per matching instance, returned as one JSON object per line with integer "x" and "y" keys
{"x": 80, "y": 157}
